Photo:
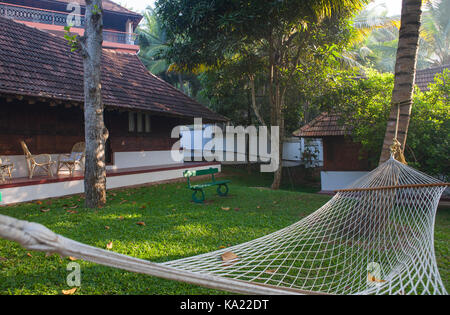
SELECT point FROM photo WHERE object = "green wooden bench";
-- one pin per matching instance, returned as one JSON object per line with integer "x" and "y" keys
{"x": 198, "y": 196}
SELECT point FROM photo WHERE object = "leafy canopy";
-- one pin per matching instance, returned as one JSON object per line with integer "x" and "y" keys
{"x": 203, "y": 31}
{"x": 364, "y": 105}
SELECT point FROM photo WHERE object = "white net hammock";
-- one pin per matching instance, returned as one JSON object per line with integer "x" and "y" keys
{"x": 375, "y": 237}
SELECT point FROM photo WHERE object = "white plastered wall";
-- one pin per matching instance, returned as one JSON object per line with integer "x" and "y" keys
{"x": 333, "y": 180}
{"x": 52, "y": 190}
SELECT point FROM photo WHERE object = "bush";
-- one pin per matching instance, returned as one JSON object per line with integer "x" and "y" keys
{"x": 428, "y": 142}
{"x": 365, "y": 104}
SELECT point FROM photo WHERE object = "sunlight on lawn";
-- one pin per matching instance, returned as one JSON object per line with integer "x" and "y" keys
{"x": 173, "y": 228}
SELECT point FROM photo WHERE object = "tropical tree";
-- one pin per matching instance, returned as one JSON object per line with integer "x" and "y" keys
{"x": 434, "y": 47}
{"x": 152, "y": 42}
{"x": 376, "y": 37}
{"x": 374, "y": 41}
{"x": 364, "y": 106}
{"x": 405, "y": 70}
{"x": 153, "y": 47}
{"x": 204, "y": 32}
{"x": 95, "y": 131}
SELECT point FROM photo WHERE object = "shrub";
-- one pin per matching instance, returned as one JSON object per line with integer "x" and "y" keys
{"x": 365, "y": 105}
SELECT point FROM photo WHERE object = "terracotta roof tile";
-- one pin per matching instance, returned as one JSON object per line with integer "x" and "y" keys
{"x": 324, "y": 125}
{"x": 426, "y": 76}
{"x": 36, "y": 63}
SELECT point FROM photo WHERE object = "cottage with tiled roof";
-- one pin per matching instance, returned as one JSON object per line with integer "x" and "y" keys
{"x": 341, "y": 156}
{"x": 42, "y": 96}
{"x": 342, "y": 160}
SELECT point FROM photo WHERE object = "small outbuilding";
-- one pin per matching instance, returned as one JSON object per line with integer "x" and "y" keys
{"x": 342, "y": 159}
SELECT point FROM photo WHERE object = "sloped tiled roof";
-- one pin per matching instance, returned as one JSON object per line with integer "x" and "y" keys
{"x": 326, "y": 124}
{"x": 36, "y": 63}
{"x": 426, "y": 76}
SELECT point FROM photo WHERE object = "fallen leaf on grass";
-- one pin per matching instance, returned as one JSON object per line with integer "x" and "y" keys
{"x": 45, "y": 210}
{"x": 29, "y": 255}
{"x": 106, "y": 227}
{"x": 225, "y": 208}
{"x": 237, "y": 209}
{"x": 228, "y": 256}
{"x": 270, "y": 271}
{"x": 69, "y": 292}
{"x": 121, "y": 218}
{"x": 109, "y": 245}
{"x": 72, "y": 211}
{"x": 3, "y": 259}
{"x": 72, "y": 258}
{"x": 38, "y": 202}
{"x": 122, "y": 202}
{"x": 140, "y": 223}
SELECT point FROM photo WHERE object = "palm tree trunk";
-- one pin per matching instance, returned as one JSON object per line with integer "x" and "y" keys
{"x": 405, "y": 69}
{"x": 95, "y": 131}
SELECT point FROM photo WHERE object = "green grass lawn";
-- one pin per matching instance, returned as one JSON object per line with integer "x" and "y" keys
{"x": 174, "y": 228}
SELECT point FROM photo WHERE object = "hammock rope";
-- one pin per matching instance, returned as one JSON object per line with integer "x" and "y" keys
{"x": 375, "y": 237}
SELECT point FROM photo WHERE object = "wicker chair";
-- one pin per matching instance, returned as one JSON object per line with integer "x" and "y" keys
{"x": 6, "y": 167}
{"x": 73, "y": 159}
{"x": 42, "y": 161}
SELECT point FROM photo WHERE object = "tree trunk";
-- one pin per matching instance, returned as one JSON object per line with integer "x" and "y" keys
{"x": 254, "y": 105}
{"x": 405, "y": 69}
{"x": 278, "y": 120}
{"x": 276, "y": 108}
{"x": 277, "y": 176}
{"x": 181, "y": 83}
{"x": 95, "y": 131}
{"x": 247, "y": 136}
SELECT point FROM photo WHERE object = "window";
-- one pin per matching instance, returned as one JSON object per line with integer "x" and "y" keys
{"x": 139, "y": 122}
{"x": 148, "y": 127}
{"x": 131, "y": 122}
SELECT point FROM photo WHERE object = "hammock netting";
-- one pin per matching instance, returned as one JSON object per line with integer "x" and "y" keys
{"x": 375, "y": 237}
{"x": 380, "y": 227}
